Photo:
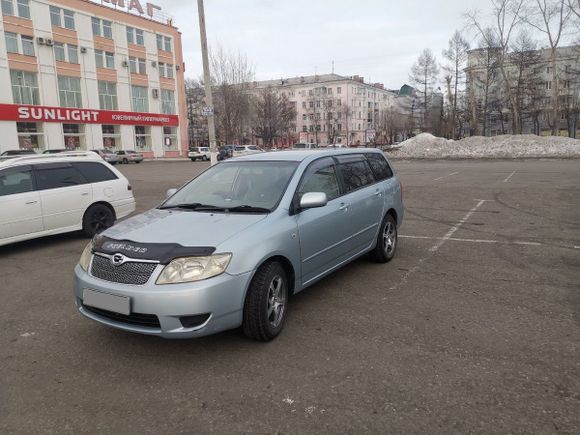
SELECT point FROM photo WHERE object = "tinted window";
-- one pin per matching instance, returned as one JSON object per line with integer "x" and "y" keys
{"x": 15, "y": 181}
{"x": 321, "y": 178}
{"x": 57, "y": 177}
{"x": 240, "y": 148}
{"x": 380, "y": 167}
{"x": 356, "y": 174}
{"x": 121, "y": 153}
{"x": 95, "y": 172}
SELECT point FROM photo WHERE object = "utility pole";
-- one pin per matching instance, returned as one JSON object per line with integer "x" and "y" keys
{"x": 207, "y": 83}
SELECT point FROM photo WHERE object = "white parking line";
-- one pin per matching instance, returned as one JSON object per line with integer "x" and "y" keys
{"x": 454, "y": 239}
{"x": 448, "y": 175}
{"x": 459, "y": 224}
{"x": 510, "y": 176}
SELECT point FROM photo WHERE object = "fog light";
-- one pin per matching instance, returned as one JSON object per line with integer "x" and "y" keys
{"x": 193, "y": 321}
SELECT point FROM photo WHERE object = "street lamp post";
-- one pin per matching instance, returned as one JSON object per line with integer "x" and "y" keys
{"x": 207, "y": 83}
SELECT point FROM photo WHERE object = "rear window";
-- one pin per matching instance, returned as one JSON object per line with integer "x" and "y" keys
{"x": 240, "y": 148}
{"x": 299, "y": 145}
{"x": 380, "y": 167}
{"x": 95, "y": 172}
{"x": 56, "y": 177}
{"x": 356, "y": 174}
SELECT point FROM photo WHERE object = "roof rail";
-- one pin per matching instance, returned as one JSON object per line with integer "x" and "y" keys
{"x": 87, "y": 154}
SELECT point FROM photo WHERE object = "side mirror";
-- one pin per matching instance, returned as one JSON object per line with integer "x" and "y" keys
{"x": 170, "y": 193}
{"x": 313, "y": 200}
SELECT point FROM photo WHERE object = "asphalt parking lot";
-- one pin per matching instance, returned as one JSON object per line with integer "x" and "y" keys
{"x": 474, "y": 327}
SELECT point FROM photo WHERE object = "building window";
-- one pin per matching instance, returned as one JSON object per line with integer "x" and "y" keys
{"x": 137, "y": 65}
{"x": 69, "y": 91}
{"x": 548, "y": 85}
{"x": 166, "y": 70}
{"x": 167, "y": 102}
{"x": 111, "y": 136}
{"x": 135, "y": 36}
{"x": 11, "y": 42}
{"x": 170, "y": 138}
{"x": 30, "y": 135}
{"x": 108, "y": 96}
{"x": 164, "y": 43}
{"x": 102, "y": 28}
{"x": 66, "y": 52}
{"x": 24, "y": 87}
{"x": 140, "y": 99}
{"x": 27, "y": 45}
{"x": 59, "y": 16}
{"x": 74, "y": 136}
{"x": 142, "y": 138}
{"x": 23, "y": 8}
{"x": 105, "y": 59}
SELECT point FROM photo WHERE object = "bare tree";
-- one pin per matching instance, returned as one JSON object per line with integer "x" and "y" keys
{"x": 526, "y": 82}
{"x": 482, "y": 76}
{"x": 551, "y": 18}
{"x": 456, "y": 54}
{"x": 274, "y": 115}
{"x": 197, "y": 124}
{"x": 424, "y": 77}
{"x": 507, "y": 15}
{"x": 231, "y": 76}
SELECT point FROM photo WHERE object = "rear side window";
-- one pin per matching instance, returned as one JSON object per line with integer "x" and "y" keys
{"x": 355, "y": 174}
{"x": 380, "y": 167}
{"x": 56, "y": 177}
{"x": 95, "y": 172}
{"x": 16, "y": 181}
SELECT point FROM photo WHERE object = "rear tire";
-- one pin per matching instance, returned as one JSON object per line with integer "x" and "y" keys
{"x": 266, "y": 303}
{"x": 204, "y": 158}
{"x": 387, "y": 241}
{"x": 193, "y": 159}
{"x": 125, "y": 161}
{"x": 97, "y": 219}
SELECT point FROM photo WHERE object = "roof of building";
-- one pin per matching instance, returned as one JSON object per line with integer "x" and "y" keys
{"x": 316, "y": 79}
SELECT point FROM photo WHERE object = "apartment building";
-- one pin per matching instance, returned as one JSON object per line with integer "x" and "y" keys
{"x": 332, "y": 109}
{"x": 530, "y": 77}
{"x": 86, "y": 75}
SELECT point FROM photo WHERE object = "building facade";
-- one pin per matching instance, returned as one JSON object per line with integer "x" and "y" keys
{"x": 86, "y": 76}
{"x": 531, "y": 80}
{"x": 333, "y": 109}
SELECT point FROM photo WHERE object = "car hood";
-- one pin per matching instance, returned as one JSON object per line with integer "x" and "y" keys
{"x": 186, "y": 228}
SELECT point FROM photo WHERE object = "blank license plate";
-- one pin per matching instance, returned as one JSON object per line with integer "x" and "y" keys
{"x": 106, "y": 301}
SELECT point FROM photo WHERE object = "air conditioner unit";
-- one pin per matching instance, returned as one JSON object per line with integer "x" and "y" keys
{"x": 155, "y": 93}
{"x": 83, "y": 50}
{"x": 125, "y": 64}
{"x": 154, "y": 64}
{"x": 49, "y": 42}
{"x": 177, "y": 67}
{"x": 40, "y": 40}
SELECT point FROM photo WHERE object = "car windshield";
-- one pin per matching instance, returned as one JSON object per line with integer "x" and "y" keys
{"x": 236, "y": 187}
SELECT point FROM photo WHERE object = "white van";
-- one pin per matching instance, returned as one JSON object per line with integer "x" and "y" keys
{"x": 53, "y": 194}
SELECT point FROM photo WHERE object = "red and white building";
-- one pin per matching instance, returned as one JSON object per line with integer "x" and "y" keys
{"x": 91, "y": 75}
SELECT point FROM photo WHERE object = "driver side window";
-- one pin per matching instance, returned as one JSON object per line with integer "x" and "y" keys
{"x": 323, "y": 179}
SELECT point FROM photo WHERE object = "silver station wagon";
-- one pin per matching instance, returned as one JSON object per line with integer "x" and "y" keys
{"x": 229, "y": 248}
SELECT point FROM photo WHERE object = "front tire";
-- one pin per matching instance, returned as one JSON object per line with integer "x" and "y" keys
{"x": 125, "y": 161}
{"x": 193, "y": 159}
{"x": 266, "y": 303}
{"x": 387, "y": 241}
{"x": 204, "y": 158}
{"x": 97, "y": 219}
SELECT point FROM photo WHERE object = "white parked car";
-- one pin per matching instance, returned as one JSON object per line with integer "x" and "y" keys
{"x": 305, "y": 146}
{"x": 201, "y": 153}
{"x": 246, "y": 150}
{"x": 52, "y": 194}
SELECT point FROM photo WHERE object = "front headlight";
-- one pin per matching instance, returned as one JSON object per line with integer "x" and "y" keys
{"x": 86, "y": 257}
{"x": 190, "y": 269}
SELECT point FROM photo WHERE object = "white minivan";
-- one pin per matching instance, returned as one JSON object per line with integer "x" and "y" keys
{"x": 52, "y": 194}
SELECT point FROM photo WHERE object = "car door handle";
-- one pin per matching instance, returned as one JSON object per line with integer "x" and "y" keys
{"x": 344, "y": 206}
{"x": 85, "y": 194}
{"x": 31, "y": 202}
{"x": 378, "y": 193}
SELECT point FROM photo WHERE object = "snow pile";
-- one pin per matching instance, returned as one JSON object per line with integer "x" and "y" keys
{"x": 427, "y": 146}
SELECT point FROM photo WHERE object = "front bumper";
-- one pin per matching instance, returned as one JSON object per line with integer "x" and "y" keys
{"x": 221, "y": 297}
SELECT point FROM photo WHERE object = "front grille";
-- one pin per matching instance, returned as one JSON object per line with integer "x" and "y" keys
{"x": 137, "y": 319}
{"x": 129, "y": 273}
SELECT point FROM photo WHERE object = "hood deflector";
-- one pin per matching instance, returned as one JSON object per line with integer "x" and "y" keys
{"x": 162, "y": 252}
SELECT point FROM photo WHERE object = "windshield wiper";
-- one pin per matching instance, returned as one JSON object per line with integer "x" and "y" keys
{"x": 249, "y": 209}
{"x": 193, "y": 206}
